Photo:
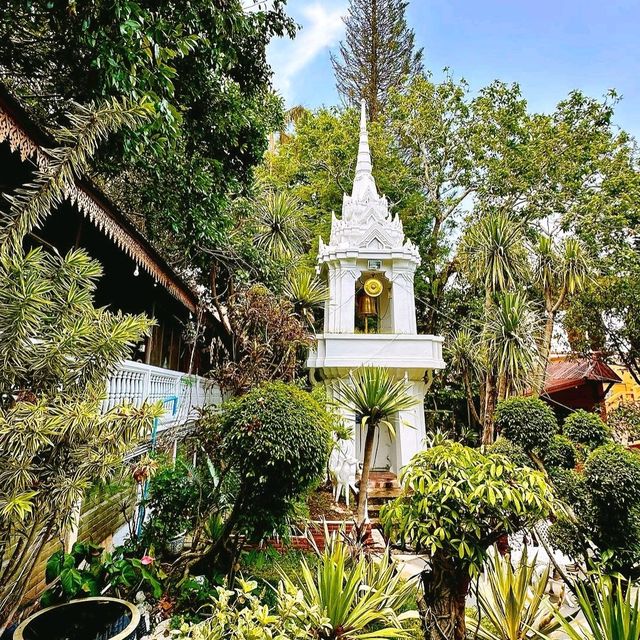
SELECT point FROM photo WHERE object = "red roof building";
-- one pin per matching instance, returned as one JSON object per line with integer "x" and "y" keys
{"x": 578, "y": 383}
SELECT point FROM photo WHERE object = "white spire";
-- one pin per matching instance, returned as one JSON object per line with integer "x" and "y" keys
{"x": 363, "y": 185}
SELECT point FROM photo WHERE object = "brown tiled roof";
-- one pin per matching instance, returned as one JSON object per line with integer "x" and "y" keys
{"x": 566, "y": 373}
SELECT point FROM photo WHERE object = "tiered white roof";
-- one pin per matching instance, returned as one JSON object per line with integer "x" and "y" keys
{"x": 367, "y": 226}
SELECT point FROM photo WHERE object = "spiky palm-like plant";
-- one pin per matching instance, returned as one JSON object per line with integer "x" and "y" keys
{"x": 280, "y": 231}
{"x": 465, "y": 360}
{"x": 359, "y": 599}
{"x": 561, "y": 270}
{"x": 56, "y": 352}
{"x": 611, "y": 611}
{"x": 510, "y": 342}
{"x": 492, "y": 255}
{"x": 306, "y": 292}
{"x": 372, "y": 393}
{"x": 513, "y": 600}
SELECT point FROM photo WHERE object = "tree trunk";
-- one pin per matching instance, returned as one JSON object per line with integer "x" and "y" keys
{"x": 442, "y": 605}
{"x": 545, "y": 349}
{"x": 366, "y": 468}
{"x": 490, "y": 393}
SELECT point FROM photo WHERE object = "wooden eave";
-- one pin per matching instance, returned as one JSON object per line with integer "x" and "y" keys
{"x": 27, "y": 139}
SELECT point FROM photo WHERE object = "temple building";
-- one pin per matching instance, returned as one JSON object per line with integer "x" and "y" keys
{"x": 370, "y": 315}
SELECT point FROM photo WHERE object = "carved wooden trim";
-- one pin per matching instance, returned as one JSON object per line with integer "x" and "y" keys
{"x": 93, "y": 210}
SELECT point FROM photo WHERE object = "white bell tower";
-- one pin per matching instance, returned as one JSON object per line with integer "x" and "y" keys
{"x": 370, "y": 316}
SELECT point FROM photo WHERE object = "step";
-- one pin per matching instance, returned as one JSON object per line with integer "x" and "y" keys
{"x": 384, "y": 493}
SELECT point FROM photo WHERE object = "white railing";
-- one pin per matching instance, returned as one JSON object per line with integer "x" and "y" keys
{"x": 182, "y": 394}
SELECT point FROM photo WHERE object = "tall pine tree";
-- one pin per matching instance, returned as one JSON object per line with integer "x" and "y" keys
{"x": 376, "y": 54}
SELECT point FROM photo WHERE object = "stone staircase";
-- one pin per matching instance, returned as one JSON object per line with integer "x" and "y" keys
{"x": 383, "y": 487}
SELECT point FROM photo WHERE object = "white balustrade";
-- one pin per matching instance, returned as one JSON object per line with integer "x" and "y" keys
{"x": 181, "y": 394}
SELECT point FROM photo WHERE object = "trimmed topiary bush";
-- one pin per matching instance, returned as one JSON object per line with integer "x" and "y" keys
{"x": 528, "y": 422}
{"x": 586, "y": 428}
{"x": 276, "y": 438}
{"x": 561, "y": 453}
{"x": 612, "y": 473}
{"x": 512, "y": 451}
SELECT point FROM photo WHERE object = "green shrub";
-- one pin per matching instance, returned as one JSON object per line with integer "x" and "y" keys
{"x": 612, "y": 474}
{"x": 515, "y": 453}
{"x": 586, "y": 428}
{"x": 276, "y": 438}
{"x": 178, "y": 493}
{"x": 561, "y": 453}
{"x": 529, "y": 422}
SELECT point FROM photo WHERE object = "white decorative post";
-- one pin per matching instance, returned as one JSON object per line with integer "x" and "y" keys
{"x": 368, "y": 241}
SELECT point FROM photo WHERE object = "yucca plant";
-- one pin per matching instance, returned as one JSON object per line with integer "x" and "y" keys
{"x": 306, "y": 292}
{"x": 360, "y": 598}
{"x": 280, "y": 230}
{"x": 561, "y": 269}
{"x": 513, "y": 601}
{"x": 465, "y": 360}
{"x": 372, "y": 393}
{"x": 493, "y": 252}
{"x": 610, "y": 610}
{"x": 509, "y": 341}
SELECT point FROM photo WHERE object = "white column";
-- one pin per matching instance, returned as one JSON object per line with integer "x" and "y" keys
{"x": 410, "y": 427}
{"x": 403, "y": 302}
{"x": 345, "y": 313}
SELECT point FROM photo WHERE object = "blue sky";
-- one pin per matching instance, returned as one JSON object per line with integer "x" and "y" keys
{"x": 547, "y": 47}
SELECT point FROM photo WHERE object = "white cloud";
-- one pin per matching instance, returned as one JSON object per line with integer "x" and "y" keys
{"x": 322, "y": 28}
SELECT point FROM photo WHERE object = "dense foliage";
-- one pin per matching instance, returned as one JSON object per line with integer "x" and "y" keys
{"x": 267, "y": 339}
{"x": 527, "y": 421}
{"x": 88, "y": 571}
{"x": 57, "y": 350}
{"x": 275, "y": 439}
{"x": 179, "y": 495}
{"x": 203, "y": 68}
{"x": 561, "y": 453}
{"x": 586, "y": 428}
{"x": 602, "y": 509}
{"x": 456, "y": 503}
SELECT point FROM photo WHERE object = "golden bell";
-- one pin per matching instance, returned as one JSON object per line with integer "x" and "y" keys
{"x": 366, "y": 306}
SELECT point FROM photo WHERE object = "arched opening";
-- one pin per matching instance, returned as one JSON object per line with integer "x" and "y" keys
{"x": 373, "y": 303}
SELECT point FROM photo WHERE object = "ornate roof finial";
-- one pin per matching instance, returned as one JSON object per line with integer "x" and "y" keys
{"x": 364, "y": 184}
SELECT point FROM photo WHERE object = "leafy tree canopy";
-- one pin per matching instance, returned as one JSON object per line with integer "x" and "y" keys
{"x": 203, "y": 67}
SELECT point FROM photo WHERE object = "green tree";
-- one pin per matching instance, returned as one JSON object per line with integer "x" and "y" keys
{"x": 561, "y": 270}
{"x": 203, "y": 68}
{"x": 274, "y": 442}
{"x": 492, "y": 255}
{"x": 456, "y": 503}
{"x": 375, "y": 396}
{"x": 377, "y": 54}
{"x": 57, "y": 353}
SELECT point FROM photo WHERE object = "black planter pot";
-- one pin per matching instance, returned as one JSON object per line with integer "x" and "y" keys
{"x": 87, "y": 619}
